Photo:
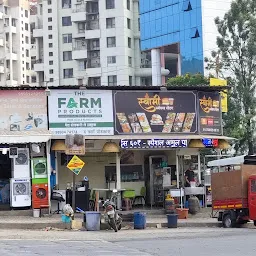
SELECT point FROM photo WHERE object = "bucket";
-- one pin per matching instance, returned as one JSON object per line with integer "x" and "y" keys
{"x": 172, "y": 220}
{"x": 36, "y": 213}
{"x": 139, "y": 220}
{"x": 65, "y": 218}
{"x": 93, "y": 221}
{"x": 182, "y": 213}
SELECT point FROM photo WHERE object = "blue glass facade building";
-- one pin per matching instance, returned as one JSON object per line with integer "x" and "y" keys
{"x": 166, "y": 22}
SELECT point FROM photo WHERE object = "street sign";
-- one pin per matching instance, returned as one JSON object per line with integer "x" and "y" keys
{"x": 75, "y": 165}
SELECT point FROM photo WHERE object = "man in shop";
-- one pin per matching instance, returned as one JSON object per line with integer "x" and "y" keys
{"x": 189, "y": 177}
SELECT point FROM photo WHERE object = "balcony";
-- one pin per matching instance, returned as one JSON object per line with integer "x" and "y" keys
{"x": 79, "y": 34}
{"x": 1, "y": 15}
{"x": 2, "y": 69}
{"x": 38, "y": 32}
{"x": 79, "y": 53}
{"x": 10, "y": 83}
{"x": 11, "y": 55}
{"x": 78, "y": 16}
{"x": 39, "y": 66}
{"x": 1, "y": 42}
{"x": 91, "y": 34}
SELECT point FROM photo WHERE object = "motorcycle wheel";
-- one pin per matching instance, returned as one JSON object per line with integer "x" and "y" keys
{"x": 119, "y": 227}
{"x": 112, "y": 224}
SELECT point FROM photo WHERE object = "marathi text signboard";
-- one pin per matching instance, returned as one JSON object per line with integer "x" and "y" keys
{"x": 155, "y": 112}
{"x": 75, "y": 165}
{"x": 23, "y": 110}
{"x": 209, "y": 113}
{"x": 85, "y": 112}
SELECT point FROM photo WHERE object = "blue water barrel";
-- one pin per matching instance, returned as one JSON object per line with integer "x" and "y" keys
{"x": 93, "y": 221}
{"x": 172, "y": 220}
{"x": 139, "y": 220}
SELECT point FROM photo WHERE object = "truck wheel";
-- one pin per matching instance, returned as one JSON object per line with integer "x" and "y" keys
{"x": 227, "y": 221}
{"x": 254, "y": 222}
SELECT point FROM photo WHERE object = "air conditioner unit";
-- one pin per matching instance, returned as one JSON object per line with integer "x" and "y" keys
{"x": 21, "y": 164}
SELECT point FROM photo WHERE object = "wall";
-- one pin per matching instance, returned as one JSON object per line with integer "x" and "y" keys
{"x": 167, "y": 22}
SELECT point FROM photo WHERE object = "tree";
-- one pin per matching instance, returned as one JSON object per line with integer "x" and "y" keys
{"x": 236, "y": 58}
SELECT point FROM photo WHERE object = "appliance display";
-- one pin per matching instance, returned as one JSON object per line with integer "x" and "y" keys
{"x": 20, "y": 192}
{"x": 39, "y": 168}
{"x": 21, "y": 164}
{"x": 40, "y": 195}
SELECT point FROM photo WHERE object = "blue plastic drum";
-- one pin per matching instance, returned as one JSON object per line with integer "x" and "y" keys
{"x": 139, "y": 220}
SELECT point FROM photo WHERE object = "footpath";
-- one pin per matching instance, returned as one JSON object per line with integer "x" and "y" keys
{"x": 155, "y": 219}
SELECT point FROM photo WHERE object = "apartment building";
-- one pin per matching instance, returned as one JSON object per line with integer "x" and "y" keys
{"x": 15, "y": 59}
{"x": 88, "y": 42}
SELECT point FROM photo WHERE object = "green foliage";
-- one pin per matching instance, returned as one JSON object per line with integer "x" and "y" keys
{"x": 188, "y": 80}
{"x": 236, "y": 58}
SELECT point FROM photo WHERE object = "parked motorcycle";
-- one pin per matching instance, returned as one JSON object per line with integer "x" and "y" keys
{"x": 113, "y": 218}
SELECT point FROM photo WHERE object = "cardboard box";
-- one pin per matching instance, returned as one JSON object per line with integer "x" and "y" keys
{"x": 232, "y": 184}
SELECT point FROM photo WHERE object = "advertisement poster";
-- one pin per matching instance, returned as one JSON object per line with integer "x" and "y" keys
{"x": 75, "y": 165}
{"x": 155, "y": 112}
{"x": 84, "y": 112}
{"x": 75, "y": 144}
{"x": 209, "y": 113}
{"x": 23, "y": 110}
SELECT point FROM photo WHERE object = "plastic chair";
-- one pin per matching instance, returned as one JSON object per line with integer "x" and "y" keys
{"x": 128, "y": 197}
{"x": 140, "y": 200}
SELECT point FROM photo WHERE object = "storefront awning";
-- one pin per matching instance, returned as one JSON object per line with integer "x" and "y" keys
{"x": 153, "y": 136}
{"x": 22, "y": 137}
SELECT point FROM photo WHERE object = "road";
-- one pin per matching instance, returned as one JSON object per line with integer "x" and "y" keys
{"x": 180, "y": 242}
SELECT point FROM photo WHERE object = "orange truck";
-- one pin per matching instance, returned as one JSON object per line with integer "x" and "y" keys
{"x": 234, "y": 195}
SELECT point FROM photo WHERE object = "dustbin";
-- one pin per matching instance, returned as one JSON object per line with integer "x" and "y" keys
{"x": 139, "y": 220}
{"x": 93, "y": 221}
{"x": 172, "y": 220}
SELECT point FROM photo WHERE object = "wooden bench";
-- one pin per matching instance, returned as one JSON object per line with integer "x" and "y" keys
{"x": 44, "y": 206}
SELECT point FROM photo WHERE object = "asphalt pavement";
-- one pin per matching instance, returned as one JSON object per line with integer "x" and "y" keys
{"x": 154, "y": 242}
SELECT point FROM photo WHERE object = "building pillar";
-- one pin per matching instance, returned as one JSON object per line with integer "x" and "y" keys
{"x": 118, "y": 180}
{"x": 163, "y": 64}
{"x": 156, "y": 67}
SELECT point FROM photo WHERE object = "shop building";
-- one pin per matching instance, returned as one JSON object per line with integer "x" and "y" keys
{"x": 25, "y": 147}
{"x": 134, "y": 137}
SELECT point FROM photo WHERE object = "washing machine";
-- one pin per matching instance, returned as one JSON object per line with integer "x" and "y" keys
{"x": 39, "y": 168}
{"x": 20, "y": 192}
{"x": 39, "y": 195}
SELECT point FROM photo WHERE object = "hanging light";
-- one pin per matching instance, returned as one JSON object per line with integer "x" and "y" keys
{"x": 110, "y": 147}
{"x": 223, "y": 144}
{"x": 196, "y": 144}
{"x": 59, "y": 145}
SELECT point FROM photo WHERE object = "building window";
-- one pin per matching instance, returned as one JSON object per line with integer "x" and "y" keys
{"x": 81, "y": 27}
{"x": 51, "y": 79}
{"x": 50, "y": 19}
{"x": 50, "y": 45}
{"x": 66, "y": 4}
{"x": 68, "y": 73}
{"x": 67, "y": 38}
{"x": 110, "y": 4}
{"x": 129, "y": 61}
{"x": 49, "y": 2}
{"x": 50, "y": 62}
{"x": 49, "y": 27}
{"x": 50, "y": 53}
{"x": 94, "y": 81}
{"x": 28, "y": 79}
{"x": 27, "y": 53}
{"x": 50, "y": 36}
{"x": 33, "y": 79}
{"x": 129, "y": 42}
{"x": 82, "y": 65}
{"x": 27, "y": 39}
{"x": 111, "y": 41}
{"x": 110, "y": 22}
{"x": 128, "y": 4}
{"x": 112, "y": 80}
{"x": 26, "y": 13}
{"x": 26, "y": 26}
{"x": 130, "y": 80}
{"x": 128, "y": 23}
{"x": 51, "y": 71}
{"x": 67, "y": 56}
{"x": 111, "y": 59}
{"x": 66, "y": 21}
{"x": 27, "y": 66}
{"x": 49, "y": 10}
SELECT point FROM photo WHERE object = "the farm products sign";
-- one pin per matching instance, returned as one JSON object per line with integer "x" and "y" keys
{"x": 155, "y": 112}
{"x": 81, "y": 112}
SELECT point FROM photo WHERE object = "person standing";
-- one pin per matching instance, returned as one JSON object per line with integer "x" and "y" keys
{"x": 189, "y": 177}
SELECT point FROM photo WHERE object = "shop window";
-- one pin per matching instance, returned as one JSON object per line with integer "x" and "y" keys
{"x": 187, "y": 6}
{"x": 194, "y": 33}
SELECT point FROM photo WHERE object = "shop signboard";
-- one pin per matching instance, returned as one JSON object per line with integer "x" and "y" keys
{"x": 209, "y": 113}
{"x": 85, "y": 112}
{"x": 23, "y": 110}
{"x": 75, "y": 144}
{"x": 75, "y": 165}
{"x": 210, "y": 143}
{"x": 155, "y": 112}
{"x": 152, "y": 143}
